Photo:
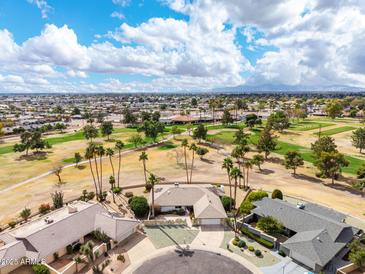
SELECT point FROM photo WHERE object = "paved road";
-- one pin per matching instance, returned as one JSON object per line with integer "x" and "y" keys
{"x": 200, "y": 262}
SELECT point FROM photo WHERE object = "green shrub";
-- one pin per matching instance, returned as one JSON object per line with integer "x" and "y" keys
{"x": 246, "y": 207}
{"x": 257, "y": 195}
{"x": 117, "y": 190}
{"x": 241, "y": 243}
{"x": 258, "y": 253}
{"x": 121, "y": 258}
{"x": 40, "y": 269}
{"x": 269, "y": 225}
{"x": 226, "y": 202}
{"x": 129, "y": 194}
{"x": 277, "y": 194}
{"x": 282, "y": 253}
{"x": 235, "y": 242}
{"x": 12, "y": 224}
{"x": 258, "y": 239}
{"x": 139, "y": 205}
{"x": 251, "y": 248}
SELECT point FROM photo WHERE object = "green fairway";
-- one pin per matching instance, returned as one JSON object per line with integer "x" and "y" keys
{"x": 334, "y": 131}
{"x": 282, "y": 148}
{"x": 308, "y": 125}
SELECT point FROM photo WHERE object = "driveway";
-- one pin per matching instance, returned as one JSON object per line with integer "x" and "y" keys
{"x": 210, "y": 236}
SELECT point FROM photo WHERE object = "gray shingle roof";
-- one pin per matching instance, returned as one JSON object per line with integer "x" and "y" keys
{"x": 320, "y": 234}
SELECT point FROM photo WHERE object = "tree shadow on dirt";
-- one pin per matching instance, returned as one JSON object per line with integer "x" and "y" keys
{"x": 307, "y": 178}
{"x": 346, "y": 188}
{"x": 36, "y": 156}
{"x": 265, "y": 171}
{"x": 207, "y": 161}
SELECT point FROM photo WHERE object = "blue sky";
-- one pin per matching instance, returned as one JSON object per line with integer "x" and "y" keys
{"x": 178, "y": 45}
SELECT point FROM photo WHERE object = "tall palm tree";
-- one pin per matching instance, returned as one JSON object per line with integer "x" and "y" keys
{"x": 144, "y": 157}
{"x": 185, "y": 144}
{"x": 228, "y": 165}
{"x": 89, "y": 155}
{"x": 112, "y": 184}
{"x": 193, "y": 148}
{"x": 153, "y": 179}
{"x": 110, "y": 153}
{"x": 119, "y": 145}
{"x": 235, "y": 174}
{"x": 100, "y": 151}
{"x": 248, "y": 166}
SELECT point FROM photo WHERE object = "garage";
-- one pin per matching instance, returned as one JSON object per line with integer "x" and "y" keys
{"x": 210, "y": 221}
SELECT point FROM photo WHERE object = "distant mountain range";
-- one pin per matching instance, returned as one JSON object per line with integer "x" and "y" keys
{"x": 268, "y": 88}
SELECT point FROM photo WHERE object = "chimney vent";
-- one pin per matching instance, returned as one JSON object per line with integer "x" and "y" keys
{"x": 71, "y": 209}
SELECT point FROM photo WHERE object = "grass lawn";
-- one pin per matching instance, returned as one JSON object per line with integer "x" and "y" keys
{"x": 282, "y": 148}
{"x": 308, "y": 125}
{"x": 334, "y": 131}
{"x": 167, "y": 145}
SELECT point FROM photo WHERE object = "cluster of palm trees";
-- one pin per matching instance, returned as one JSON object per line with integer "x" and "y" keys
{"x": 240, "y": 173}
{"x": 193, "y": 148}
{"x": 94, "y": 154}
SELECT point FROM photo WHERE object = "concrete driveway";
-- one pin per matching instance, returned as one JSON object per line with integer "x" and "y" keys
{"x": 209, "y": 236}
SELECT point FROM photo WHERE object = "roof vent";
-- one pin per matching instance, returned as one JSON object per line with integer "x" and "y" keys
{"x": 71, "y": 209}
{"x": 176, "y": 184}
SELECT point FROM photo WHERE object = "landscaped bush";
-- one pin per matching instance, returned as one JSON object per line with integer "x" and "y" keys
{"x": 257, "y": 195}
{"x": 12, "y": 224}
{"x": 227, "y": 201}
{"x": 117, "y": 190}
{"x": 44, "y": 208}
{"x": 251, "y": 248}
{"x": 269, "y": 225}
{"x": 128, "y": 194}
{"x": 235, "y": 242}
{"x": 121, "y": 258}
{"x": 258, "y": 253}
{"x": 246, "y": 207}
{"x": 282, "y": 253}
{"x": 40, "y": 269}
{"x": 277, "y": 194}
{"x": 258, "y": 239}
{"x": 139, "y": 205}
{"x": 241, "y": 243}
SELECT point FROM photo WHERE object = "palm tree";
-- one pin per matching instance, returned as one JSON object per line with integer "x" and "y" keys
{"x": 100, "y": 151}
{"x": 110, "y": 153}
{"x": 248, "y": 166}
{"x": 78, "y": 261}
{"x": 235, "y": 173}
{"x": 87, "y": 250}
{"x": 144, "y": 157}
{"x": 228, "y": 165}
{"x": 153, "y": 179}
{"x": 119, "y": 145}
{"x": 193, "y": 148}
{"x": 112, "y": 183}
{"x": 89, "y": 154}
{"x": 185, "y": 144}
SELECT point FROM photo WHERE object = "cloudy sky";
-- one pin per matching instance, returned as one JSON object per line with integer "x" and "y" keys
{"x": 178, "y": 45}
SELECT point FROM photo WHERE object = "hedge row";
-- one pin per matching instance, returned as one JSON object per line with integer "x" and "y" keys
{"x": 258, "y": 239}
